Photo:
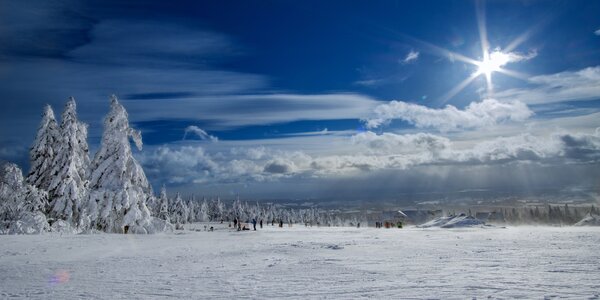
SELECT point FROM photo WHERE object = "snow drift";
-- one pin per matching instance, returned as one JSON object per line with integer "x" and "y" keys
{"x": 459, "y": 221}
{"x": 589, "y": 220}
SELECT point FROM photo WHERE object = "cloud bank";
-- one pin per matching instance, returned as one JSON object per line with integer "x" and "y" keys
{"x": 476, "y": 115}
{"x": 370, "y": 152}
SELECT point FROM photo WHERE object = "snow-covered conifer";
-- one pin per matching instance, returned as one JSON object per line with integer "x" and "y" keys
{"x": 191, "y": 212}
{"x": 163, "y": 205}
{"x": 67, "y": 189}
{"x": 43, "y": 151}
{"x": 204, "y": 211}
{"x": 179, "y": 211}
{"x": 119, "y": 187}
{"x": 21, "y": 204}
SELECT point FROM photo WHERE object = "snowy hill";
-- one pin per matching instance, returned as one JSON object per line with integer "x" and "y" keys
{"x": 589, "y": 220}
{"x": 461, "y": 220}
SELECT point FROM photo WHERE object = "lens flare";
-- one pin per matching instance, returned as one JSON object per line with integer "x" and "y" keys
{"x": 59, "y": 277}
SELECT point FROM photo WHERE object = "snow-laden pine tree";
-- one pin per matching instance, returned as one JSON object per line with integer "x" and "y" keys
{"x": 191, "y": 205}
{"x": 119, "y": 187}
{"x": 68, "y": 188}
{"x": 43, "y": 151}
{"x": 179, "y": 211}
{"x": 21, "y": 204}
{"x": 204, "y": 211}
{"x": 163, "y": 205}
{"x": 220, "y": 210}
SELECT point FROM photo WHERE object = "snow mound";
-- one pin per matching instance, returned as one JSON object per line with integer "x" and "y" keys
{"x": 158, "y": 225}
{"x": 459, "y": 221}
{"x": 61, "y": 226}
{"x": 29, "y": 223}
{"x": 589, "y": 220}
{"x": 438, "y": 222}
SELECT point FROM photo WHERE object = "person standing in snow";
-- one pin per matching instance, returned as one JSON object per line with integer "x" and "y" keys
{"x": 261, "y": 222}
{"x": 254, "y": 223}
{"x": 235, "y": 222}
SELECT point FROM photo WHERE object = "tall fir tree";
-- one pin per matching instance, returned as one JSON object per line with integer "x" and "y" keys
{"x": 119, "y": 187}
{"x": 163, "y": 205}
{"x": 68, "y": 188}
{"x": 179, "y": 211}
{"x": 43, "y": 151}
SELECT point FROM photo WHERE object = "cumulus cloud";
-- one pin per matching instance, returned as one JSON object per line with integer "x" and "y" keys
{"x": 179, "y": 165}
{"x": 200, "y": 133}
{"x": 597, "y": 32}
{"x": 477, "y": 114}
{"x": 279, "y": 167}
{"x": 369, "y": 152}
{"x": 401, "y": 143}
{"x": 564, "y": 86}
{"x": 411, "y": 57}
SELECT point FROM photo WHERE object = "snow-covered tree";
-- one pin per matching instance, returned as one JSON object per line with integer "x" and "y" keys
{"x": 119, "y": 187}
{"x": 179, "y": 211}
{"x": 21, "y": 204}
{"x": 43, "y": 151}
{"x": 191, "y": 205}
{"x": 204, "y": 211}
{"x": 220, "y": 213}
{"x": 163, "y": 205}
{"x": 68, "y": 189}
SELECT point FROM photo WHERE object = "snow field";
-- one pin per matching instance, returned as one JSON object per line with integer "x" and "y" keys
{"x": 301, "y": 263}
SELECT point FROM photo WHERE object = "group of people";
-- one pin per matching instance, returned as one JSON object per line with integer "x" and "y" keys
{"x": 237, "y": 223}
{"x": 241, "y": 226}
{"x": 387, "y": 224}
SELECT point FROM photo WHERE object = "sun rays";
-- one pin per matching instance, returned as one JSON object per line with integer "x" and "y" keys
{"x": 491, "y": 60}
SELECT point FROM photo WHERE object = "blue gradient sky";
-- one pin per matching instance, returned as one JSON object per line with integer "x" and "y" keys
{"x": 287, "y": 90}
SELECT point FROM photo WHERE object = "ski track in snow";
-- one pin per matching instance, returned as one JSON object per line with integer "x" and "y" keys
{"x": 300, "y": 263}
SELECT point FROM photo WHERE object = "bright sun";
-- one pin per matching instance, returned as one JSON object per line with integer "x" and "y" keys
{"x": 492, "y": 62}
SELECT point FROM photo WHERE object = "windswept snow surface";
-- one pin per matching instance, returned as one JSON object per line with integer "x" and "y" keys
{"x": 306, "y": 263}
{"x": 459, "y": 221}
{"x": 589, "y": 220}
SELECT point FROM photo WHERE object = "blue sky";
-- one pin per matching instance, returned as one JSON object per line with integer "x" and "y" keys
{"x": 321, "y": 99}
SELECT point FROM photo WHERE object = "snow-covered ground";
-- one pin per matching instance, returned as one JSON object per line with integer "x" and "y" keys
{"x": 302, "y": 263}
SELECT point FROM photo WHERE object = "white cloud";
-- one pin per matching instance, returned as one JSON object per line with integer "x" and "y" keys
{"x": 387, "y": 143}
{"x": 279, "y": 166}
{"x": 200, "y": 133}
{"x": 368, "y": 152}
{"x": 369, "y": 82}
{"x": 225, "y": 111}
{"x": 511, "y": 57}
{"x": 583, "y": 84}
{"x": 477, "y": 114}
{"x": 597, "y": 32}
{"x": 411, "y": 57}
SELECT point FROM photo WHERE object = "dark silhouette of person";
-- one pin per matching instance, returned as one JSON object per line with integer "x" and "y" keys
{"x": 261, "y": 223}
{"x": 254, "y": 224}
